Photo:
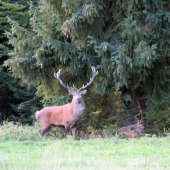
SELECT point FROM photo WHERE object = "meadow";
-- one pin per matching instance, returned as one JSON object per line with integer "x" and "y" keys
{"x": 22, "y": 148}
{"x": 114, "y": 153}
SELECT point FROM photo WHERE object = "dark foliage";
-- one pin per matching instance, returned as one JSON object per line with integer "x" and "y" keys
{"x": 9, "y": 86}
{"x": 126, "y": 40}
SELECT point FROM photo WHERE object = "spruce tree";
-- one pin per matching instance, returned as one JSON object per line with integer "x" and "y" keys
{"x": 126, "y": 40}
{"x": 17, "y": 10}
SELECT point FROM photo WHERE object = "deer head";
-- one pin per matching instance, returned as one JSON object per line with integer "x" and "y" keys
{"x": 77, "y": 94}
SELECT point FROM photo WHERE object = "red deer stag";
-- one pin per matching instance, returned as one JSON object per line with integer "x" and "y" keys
{"x": 67, "y": 115}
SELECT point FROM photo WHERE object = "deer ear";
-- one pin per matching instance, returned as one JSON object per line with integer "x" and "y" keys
{"x": 71, "y": 91}
{"x": 83, "y": 92}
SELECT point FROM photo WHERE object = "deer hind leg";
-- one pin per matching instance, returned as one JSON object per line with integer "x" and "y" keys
{"x": 44, "y": 130}
{"x": 39, "y": 131}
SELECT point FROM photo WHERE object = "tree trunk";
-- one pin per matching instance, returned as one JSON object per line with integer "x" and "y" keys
{"x": 137, "y": 102}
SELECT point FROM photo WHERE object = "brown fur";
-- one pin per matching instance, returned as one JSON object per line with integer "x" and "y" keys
{"x": 67, "y": 115}
{"x": 37, "y": 115}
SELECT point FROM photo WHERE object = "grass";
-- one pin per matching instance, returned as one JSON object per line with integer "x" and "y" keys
{"x": 105, "y": 154}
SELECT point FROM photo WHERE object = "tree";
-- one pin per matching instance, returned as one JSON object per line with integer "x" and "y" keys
{"x": 10, "y": 85}
{"x": 125, "y": 40}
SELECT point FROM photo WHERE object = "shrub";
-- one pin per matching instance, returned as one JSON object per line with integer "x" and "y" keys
{"x": 134, "y": 130}
{"x": 158, "y": 119}
{"x": 16, "y": 131}
{"x": 19, "y": 132}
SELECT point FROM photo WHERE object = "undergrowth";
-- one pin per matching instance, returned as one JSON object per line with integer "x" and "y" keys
{"x": 19, "y": 132}
{"x": 11, "y": 131}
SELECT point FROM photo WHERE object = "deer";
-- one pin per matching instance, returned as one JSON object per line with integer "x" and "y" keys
{"x": 68, "y": 115}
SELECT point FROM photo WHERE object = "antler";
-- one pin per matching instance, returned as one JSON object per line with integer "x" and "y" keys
{"x": 57, "y": 76}
{"x": 91, "y": 79}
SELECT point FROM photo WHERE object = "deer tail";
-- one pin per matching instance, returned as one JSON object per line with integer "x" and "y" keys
{"x": 37, "y": 115}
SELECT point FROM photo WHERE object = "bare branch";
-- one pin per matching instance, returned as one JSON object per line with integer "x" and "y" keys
{"x": 21, "y": 105}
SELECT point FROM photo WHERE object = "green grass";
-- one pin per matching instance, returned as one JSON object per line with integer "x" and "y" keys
{"x": 121, "y": 154}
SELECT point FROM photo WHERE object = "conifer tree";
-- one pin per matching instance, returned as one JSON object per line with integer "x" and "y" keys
{"x": 126, "y": 40}
{"x": 17, "y": 10}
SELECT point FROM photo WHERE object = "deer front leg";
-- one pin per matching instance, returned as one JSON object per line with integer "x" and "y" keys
{"x": 67, "y": 129}
{"x": 74, "y": 129}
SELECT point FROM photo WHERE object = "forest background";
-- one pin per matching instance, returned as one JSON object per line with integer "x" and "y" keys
{"x": 128, "y": 42}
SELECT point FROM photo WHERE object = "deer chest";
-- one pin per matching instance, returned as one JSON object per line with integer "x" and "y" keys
{"x": 77, "y": 114}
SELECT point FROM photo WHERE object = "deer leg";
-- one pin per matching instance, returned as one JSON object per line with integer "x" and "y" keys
{"x": 74, "y": 129}
{"x": 39, "y": 131}
{"x": 67, "y": 129}
{"x": 45, "y": 131}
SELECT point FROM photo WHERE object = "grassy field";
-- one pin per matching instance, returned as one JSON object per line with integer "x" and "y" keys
{"x": 105, "y": 154}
